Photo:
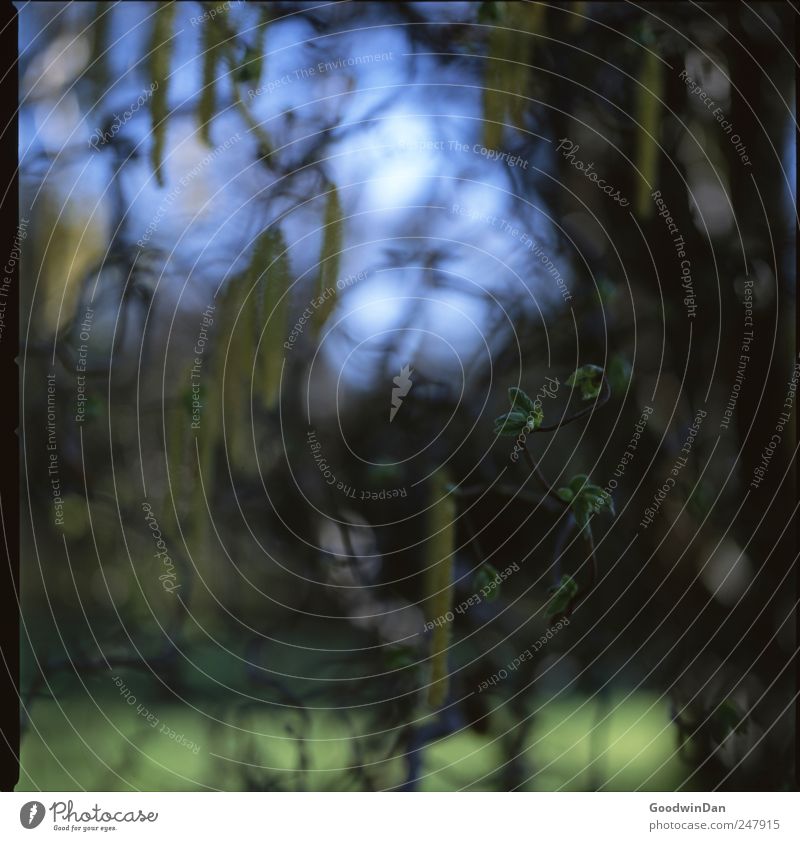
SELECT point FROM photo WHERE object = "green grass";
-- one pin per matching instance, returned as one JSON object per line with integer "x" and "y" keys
{"x": 109, "y": 746}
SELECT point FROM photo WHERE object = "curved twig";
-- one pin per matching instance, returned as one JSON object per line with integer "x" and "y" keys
{"x": 599, "y": 401}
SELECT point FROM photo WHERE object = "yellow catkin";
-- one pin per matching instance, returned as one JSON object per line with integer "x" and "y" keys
{"x": 577, "y": 20}
{"x": 241, "y": 336}
{"x": 508, "y": 68}
{"x": 439, "y": 565}
{"x": 177, "y": 418}
{"x": 97, "y": 70}
{"x": 494, "y": 96}
{"x": 332, "y": 240}
{"x": 270, "y": 254}
{"x": 160, "y": 56}
{"x": 67, "y": 243}
{"x": 648, "y": 115}
{"x": 213, "y": 36}
{"x": 207, "y": 558}
{"x": 527, "y": 21}
{"x": 202, "y": 455}
{"x": 218, "y": 400}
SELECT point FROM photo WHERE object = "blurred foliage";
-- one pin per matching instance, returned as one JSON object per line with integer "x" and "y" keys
{"x": 293, "y": 654}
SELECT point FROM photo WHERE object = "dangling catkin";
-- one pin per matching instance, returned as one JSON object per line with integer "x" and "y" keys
{"x": 332, "y": 239}
{"x": 213, "y": 37}
{"x": 273, "y": 303}
{"x": 160, "y": 55}
{"x": 648, "y": 114}
{"x": 238, "y": 371}
{"x": 439, "y": 565}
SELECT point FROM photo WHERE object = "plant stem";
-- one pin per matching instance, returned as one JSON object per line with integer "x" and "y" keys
{"x": 536, "y": 470}
{"x": 255, "y": 127}
{"x": 601, "y": 398}
{"x": 561, "y": 539}
{"x": 259, "y": 133}
{"x": 589, "y": 537}
{"x": 439, "y": 568}
{"x": 516, "y": 494}
{"x": 473, "y": 541}
{"x": 592, "y": 559}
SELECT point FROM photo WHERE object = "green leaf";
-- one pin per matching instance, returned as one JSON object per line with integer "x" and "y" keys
{"x": 562, "y": 597}
{"x": 585, "y": 499}
{"x": 599, "y": 499}
{"x": 577, "y": 482}
{"x": 565, "y": 494}
{"x": 511, "y": 424}
{"x": 530, "y": 409}
{"x": 520, "y": 400}
{"x": 534, "y": 419}
{"x": 400, "y": 657}
{"x": 485, "y": 577}
{"x": 589, "y": 379}
{"x": 582, "y": 511}
{"x": 619, "y": 373}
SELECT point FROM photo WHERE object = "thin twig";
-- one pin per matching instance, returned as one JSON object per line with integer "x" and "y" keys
{"x": 561, "y": 540}
{"x": 500, "y": 490}
{"x": 473, "y": 541}
{"x": 600, "y": 400}
{"x": 536, "y": 470}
